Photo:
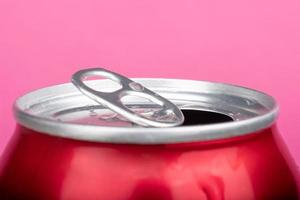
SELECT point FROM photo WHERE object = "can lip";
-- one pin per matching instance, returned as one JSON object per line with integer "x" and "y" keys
{"x": 265, "y": 111}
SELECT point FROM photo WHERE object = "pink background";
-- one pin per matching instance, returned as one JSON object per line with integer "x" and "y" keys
{"x": 250, "y": 43}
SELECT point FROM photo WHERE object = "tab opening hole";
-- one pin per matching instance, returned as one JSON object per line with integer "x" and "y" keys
{"x": 137, "y": 102}
{"x": 108, "y": 85}
{"x": 202, "y": 117}
{"x": 140, "y": 105}
{"x": 140, "y": 97}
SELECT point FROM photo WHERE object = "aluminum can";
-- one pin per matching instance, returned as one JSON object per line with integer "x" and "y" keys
{"x": 66, "y": 146}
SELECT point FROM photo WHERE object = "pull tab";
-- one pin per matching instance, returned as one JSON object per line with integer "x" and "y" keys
{"x": 169, "y": 115}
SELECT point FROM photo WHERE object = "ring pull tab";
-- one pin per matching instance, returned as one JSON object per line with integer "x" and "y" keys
{"x": 168, "y": 115}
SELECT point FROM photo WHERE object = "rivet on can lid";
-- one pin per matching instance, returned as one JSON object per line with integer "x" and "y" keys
{"x": 168, "y": 115}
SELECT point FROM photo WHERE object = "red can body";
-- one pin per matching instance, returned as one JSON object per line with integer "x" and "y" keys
{"x": 73, "y": 148}
{"x": 255, "y": 166}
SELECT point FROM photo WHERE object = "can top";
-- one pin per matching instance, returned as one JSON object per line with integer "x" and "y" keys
{"x": 63, "y": 111}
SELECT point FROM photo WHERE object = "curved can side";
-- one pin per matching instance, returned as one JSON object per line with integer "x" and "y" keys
{"x": 247, "y": 167}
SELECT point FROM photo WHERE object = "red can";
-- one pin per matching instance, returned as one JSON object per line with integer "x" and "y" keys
{"x": 66, "y": 146}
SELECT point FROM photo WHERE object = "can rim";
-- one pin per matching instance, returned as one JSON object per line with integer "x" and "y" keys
{"x": 129, "y": 135}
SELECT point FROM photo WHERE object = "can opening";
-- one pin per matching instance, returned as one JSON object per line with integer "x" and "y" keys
{"x": 202, "y": 117}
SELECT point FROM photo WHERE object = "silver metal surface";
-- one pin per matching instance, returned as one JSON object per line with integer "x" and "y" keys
{"x": 167, "y": 116}
{"x": 63, "y": 111}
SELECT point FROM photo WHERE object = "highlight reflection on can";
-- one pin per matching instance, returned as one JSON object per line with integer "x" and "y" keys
{"x": 66, "y": 146}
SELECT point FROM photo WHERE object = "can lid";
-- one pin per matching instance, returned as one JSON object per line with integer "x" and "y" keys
{"x": 63, "y": 111}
